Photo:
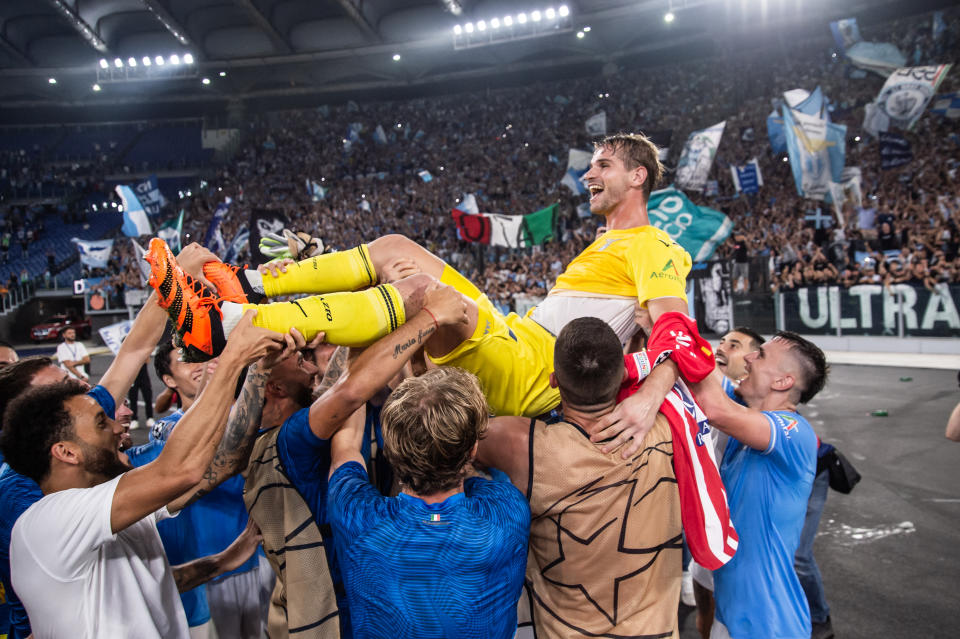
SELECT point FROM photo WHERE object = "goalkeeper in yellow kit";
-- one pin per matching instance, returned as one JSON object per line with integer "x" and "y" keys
{"x": 512, "y": 356}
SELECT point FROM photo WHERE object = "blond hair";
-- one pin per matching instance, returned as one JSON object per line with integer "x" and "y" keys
{"x": 430, "y": 426}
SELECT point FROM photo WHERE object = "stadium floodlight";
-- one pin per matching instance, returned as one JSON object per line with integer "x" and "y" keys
{"x": 174, "y": 59}
{"x": 104, "y": 64}
{"x": 551, "y": 13}
{"x": 147, "y": 61}
{"x": 457, "y": 29}
{"x": 96, "y": 87}
{"x": 522, "y": 18}
{"x": 52, "y": 80}
{"x": 586, "y": 29}
{"x": 481, "y": 25}
{"x": 188, "y": 58}
{"x": 159, "y": 60}
{"x": 131, "y": 62}
{"x": 535, "y": 16}
{"x": 468, "y": 27}
{"x": 508, "y": 21}
{"x": 669, "y": 17}
{"x": 396, "y": 57}
{"x": 856, "y": 139}
{"x": 580, "y": 34}
{"x": 495, "y": 23}
{"x": 564, "y": 11}
{"x": 205, "y": 81}
{"x": 118, "y": 63}
{"x": 223, "y": 74}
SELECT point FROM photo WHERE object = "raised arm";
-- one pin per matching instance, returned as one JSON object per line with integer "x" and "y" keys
{"x": 381, "y": 361}
{"x": 147, "y": 330}
{"x": 346, "y": 443}
{"x": 953, "y": 424}
{"x": 193, "y": 443}
{"x": 746, "y": 425}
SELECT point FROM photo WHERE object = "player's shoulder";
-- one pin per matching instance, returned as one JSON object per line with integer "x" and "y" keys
{"x": 792, "y": 426}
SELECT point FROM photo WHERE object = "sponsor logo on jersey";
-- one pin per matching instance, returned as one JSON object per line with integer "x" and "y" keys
{"x": 669, "y": 271}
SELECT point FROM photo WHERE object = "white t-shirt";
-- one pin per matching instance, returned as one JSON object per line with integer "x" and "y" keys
{"x": 72, "y": 353}
{"x": 79, "y": 580}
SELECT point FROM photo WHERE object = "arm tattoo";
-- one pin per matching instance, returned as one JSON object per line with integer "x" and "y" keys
{"x": 399, "y": 349}
{"x": 238, "y": 436}
{"x": 195, "y": 573}
{"x": 335, "y": 368}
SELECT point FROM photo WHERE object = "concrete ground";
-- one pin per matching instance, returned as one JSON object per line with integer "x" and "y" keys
{"x": 890, "y": 551}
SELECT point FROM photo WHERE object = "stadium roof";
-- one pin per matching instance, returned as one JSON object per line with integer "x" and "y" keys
{"x": 295, "y": 52}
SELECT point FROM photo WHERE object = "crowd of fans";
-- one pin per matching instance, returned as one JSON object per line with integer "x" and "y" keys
{"x": 509, "y": 146}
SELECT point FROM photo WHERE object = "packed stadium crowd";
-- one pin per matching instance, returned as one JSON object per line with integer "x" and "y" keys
{"x": 335, "y": 411}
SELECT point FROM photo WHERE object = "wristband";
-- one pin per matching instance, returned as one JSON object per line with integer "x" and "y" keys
{"x": 436, "y": 324}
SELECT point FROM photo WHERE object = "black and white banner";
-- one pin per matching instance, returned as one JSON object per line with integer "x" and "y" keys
{"x": 262, "y": 222}
{"x": 895, "y": 150}
{"x": 871, "y": 309}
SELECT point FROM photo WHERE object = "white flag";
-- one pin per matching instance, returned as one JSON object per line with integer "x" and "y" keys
{"x": 578, "y": 163}
{"x": 697, "y": 157}
{"x": 597, "y": 124}
{"x": 906, "y": 93}
{"x": 94, "y": 253}
{"x": 114, "y": 333}
{"x": 505, "y": 230}
{"x": 469, "y": 204}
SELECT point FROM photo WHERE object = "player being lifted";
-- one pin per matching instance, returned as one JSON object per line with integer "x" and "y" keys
{"x": 512, "y": 356}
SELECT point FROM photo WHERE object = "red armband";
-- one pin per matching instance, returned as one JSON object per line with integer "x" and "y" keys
{"x": 675, "y": 336}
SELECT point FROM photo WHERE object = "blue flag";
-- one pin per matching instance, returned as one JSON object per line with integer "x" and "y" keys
{"x": 149, "y": 195}
{"x": 213, "y": 240}
{"x": 135, "y": 222}
{"x": 747, "y": 178}
{"x": 778, "y": 140}
{"x": 817, "y": 151}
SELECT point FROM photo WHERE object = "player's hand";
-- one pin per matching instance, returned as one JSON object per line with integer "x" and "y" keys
{"x": 276, "y": 267}
{"x": 248, "y": 343}
{"x": 242, "y": 548}
{"x": 398, "y": 269}
{"x": 192, "y": 258}
{"x": 627, "y": 425}
{"x": 447, "y": 305}
{"x": 293, "y": 341}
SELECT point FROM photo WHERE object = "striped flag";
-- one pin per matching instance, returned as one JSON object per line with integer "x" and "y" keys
{"x": 704, "y": 510}
{"x": 135, "y": 222}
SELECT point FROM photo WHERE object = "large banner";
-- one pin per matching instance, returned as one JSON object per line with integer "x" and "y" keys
{"x": 895, "y": 151}
{"x": 817, "y": 151}
{"x": 872, "y": 309}
{"x": 713, "y": 301}
{"x": 698, "y": 229}
{"x": 906, "y": 93}
{"x": 846, "y": 33}
{"x": 697, "y": 157}
{"x": 747, "y": 178}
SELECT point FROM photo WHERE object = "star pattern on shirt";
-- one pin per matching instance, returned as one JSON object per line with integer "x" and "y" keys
{"x": 575, "y": 531}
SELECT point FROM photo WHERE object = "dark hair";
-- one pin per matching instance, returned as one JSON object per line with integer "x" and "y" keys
{"x": 588, "y": 362}
{"x": 17, "y": 377}
{"x": 635, "y": 149}
{"x": 7, "y": 344}
{"x": 34, "y": 422}
{"x": 430, "y": 426}
{"x": 812, "y": 361}
{"x": 752, "y": 334}
{"x": 161, "y": 361}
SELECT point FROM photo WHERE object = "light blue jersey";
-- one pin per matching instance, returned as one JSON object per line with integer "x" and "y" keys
{"x": 757, "y": 592}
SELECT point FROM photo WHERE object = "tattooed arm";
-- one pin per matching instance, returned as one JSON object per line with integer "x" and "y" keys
{"x": 242, "y": 425}
{"x": 199, "y": 571}
{"x": 335, "y": 368}
{"x": 380, "y": 362}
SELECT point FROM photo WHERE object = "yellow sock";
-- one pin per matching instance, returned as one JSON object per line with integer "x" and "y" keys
{"x": 327, "y": 273}
{"x": 452, "y": 277}
{"x": 349, "y": 319}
